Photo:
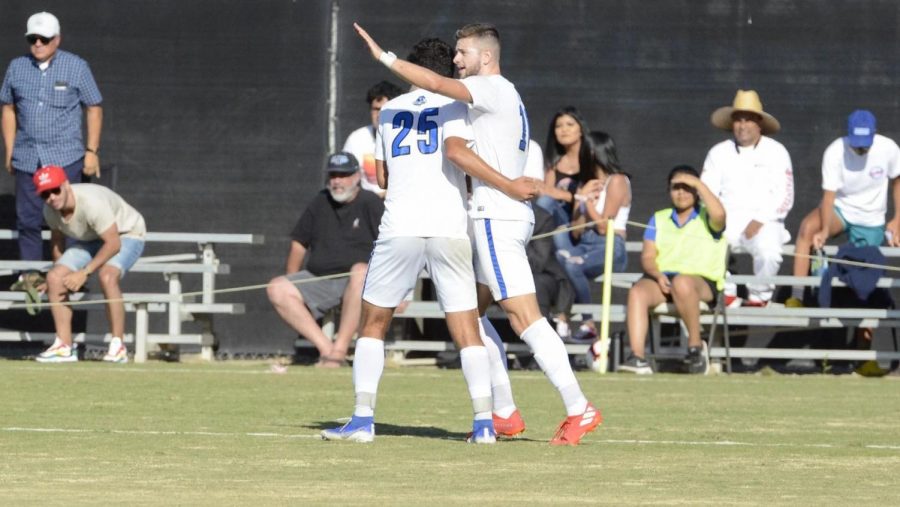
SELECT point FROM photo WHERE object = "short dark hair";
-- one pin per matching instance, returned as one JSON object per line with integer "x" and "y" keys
{"x": 480, "y": 30}
{"x": 683, "y": 168}
{"x": 433, "y": 54}
{"x": 383, "y": 89}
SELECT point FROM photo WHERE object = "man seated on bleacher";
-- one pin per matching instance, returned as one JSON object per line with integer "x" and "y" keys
{"x": 108, "y": 238}
{"x": 334, "y": 235}
{"x": 856, "y": 169}
{"x": 684, "y": 262}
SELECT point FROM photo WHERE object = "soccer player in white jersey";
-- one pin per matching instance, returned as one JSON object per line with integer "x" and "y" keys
{"x": 424, "y": 224}
{"x": 502, "y": 222}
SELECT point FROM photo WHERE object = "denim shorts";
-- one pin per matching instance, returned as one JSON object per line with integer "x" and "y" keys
{"x": 80, "y": 253}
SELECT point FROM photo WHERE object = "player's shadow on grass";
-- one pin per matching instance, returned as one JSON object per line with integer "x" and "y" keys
{"x": 394, "y": 430}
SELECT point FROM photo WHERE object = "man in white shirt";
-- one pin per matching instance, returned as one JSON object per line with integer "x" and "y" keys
{"x": 361, "y": 142}
{"x": 855, "y": 173}
{"x": 502, "y": 221}
{"x": 109, "y": 239}
{"x": 411, "y": 133}
{"x": 752, "y": 176}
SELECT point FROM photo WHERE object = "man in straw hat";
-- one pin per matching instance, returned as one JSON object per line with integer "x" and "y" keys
{"x": 752, "y": 175}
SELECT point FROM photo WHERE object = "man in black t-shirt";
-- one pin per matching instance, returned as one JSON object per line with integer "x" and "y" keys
{"x": 335, "y": 235}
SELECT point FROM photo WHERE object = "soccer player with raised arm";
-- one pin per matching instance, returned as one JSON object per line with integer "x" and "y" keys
{"x": 424, "y": 224}
{"x": 502, "y": 221}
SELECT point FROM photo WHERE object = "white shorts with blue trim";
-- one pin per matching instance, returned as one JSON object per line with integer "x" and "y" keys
{"x": 396, "y": 263}
{"x": 500, "y": 259}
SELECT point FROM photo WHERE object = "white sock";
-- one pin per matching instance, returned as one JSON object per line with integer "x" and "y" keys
{"x": 476, "y": 370}
{"x": 550, "y": 354}
{"x": 368, "y": 365}
{"x": 504, "y": 405}
{"x": 797, "y": 292}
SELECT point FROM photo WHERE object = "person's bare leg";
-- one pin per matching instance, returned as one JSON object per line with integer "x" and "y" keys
{"x": 115, "y": 308}
{"x": 810, "y": 225}
{"x": 351, "y": 304}
{"x": 643, "y": 295}
{"x": 57, "y": 293}
{"x": 289, "y": 304}
{"x": 687, "y": 292}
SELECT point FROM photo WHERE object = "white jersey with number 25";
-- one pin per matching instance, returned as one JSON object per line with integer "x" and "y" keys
{"x": 426, "y": 194}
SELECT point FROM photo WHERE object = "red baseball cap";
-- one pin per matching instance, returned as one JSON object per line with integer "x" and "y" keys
{"x": 49, "y": 177}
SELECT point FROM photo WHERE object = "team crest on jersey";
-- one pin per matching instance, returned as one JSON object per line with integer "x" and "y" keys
{"x": 876, "y": 172}
{"x": 419, "y": 101}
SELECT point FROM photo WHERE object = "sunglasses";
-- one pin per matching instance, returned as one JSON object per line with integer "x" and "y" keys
{"x": 47, "y": 193}
{"x": 32, "y": 39}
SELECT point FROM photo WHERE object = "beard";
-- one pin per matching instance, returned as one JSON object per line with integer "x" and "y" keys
{"x": 344, "y": 195}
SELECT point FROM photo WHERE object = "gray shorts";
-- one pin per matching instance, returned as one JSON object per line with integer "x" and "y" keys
{"x": 322, "y": 295}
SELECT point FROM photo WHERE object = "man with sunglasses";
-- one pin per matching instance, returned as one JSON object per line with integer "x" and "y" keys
{"x": 42, "y": 97}
{"x": 108, "y": 239}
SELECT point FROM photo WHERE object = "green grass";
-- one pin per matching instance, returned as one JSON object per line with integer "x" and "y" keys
{"x": 233, "y": 433}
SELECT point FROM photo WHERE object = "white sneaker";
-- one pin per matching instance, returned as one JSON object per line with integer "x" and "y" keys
{"x": 59, "y": 352}
{"x": 117, "y": 352}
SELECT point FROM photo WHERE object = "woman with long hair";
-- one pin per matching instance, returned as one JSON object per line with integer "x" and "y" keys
{"x": 606, "y": 196}
{"x": 569, "y": 164}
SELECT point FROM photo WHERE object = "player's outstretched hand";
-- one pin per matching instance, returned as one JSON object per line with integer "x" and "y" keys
{"x": 523, "y": 188}
{"x": 373, "y": 46}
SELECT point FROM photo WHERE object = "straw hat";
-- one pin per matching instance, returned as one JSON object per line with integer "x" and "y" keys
{"x": 745, "y": 100}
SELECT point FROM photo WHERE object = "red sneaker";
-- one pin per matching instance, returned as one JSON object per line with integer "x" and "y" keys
{"x": 509, "y": 427}
{"x": 574, "y": 427}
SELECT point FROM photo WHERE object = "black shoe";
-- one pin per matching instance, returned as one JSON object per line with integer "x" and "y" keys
{"x": 636, "y": 365}
{"x": 696, "y": 361}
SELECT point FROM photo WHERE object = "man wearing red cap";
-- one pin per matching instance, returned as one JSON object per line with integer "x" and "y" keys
{"x": 108, "y": 239}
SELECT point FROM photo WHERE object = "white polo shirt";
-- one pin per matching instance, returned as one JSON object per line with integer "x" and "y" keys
{"x": 753, "y": 183}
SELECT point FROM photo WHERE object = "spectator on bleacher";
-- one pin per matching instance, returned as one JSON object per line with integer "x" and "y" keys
{"x": 684, "y": 262}
{"x": 555, "y": 293}
{"x": 569, "y": 165}
{"x": 855, "y": 173}
{"x": 108, "y": 238}
{"x": 606, "y": 196}
{"x": 752, "y": 175}
{"x": 44, "y": 96}
{"x": 334, "y": 235}
{"x": 361, "y": 142}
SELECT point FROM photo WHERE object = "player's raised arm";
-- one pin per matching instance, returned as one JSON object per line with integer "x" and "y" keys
{"x": 414, "y": 74}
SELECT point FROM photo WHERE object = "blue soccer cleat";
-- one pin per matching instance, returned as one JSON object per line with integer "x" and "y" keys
{"x": 358, "y": 429}
{"x": 482, "y": 432}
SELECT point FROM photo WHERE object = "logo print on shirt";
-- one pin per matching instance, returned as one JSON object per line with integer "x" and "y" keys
{"x": 876, "y": 172}
{"x": 356, "y": 223}
{"x": 419, "y": 101}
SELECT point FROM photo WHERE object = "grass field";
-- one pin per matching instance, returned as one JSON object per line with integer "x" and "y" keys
{"x": 233, "y": 433}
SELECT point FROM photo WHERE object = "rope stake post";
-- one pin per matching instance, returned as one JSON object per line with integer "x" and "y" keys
{"x": 606, "y": 300}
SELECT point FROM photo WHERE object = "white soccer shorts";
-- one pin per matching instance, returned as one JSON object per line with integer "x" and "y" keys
{"x": 396, "y": 263}
{"x": 500, "y": 259}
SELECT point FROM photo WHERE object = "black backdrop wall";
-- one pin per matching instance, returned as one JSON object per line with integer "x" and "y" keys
{"x": 216, "y": 112}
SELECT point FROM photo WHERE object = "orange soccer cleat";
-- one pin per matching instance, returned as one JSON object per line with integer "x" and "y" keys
{"x": 576, "y": 426}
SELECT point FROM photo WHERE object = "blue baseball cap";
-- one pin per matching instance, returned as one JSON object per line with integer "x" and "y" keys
{"x": 860, "y": 128}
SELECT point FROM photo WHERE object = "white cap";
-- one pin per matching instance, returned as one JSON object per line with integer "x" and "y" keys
{"x": 43, "y": 24}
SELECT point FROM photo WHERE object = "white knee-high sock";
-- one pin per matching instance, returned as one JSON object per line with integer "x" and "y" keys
{"x": 476, "y": 370}
{"x": 550, "y": 353}
{"x": 368, "y": 365}
{"x": 504, "y": 405}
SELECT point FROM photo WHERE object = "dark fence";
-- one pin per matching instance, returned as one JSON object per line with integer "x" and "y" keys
{"x": 216, "y": 111}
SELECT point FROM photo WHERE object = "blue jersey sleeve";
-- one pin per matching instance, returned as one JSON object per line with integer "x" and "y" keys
{"x": 650, "y": 232}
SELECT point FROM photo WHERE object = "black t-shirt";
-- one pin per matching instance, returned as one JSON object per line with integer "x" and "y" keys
{"x": 337, "y": 235}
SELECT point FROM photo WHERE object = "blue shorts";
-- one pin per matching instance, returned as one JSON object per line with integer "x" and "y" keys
{"x": 861, "y": 235}
{"x": 80, "y": 253}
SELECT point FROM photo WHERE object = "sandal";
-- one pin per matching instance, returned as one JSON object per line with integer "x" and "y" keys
{"x": 332, "y": 362}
